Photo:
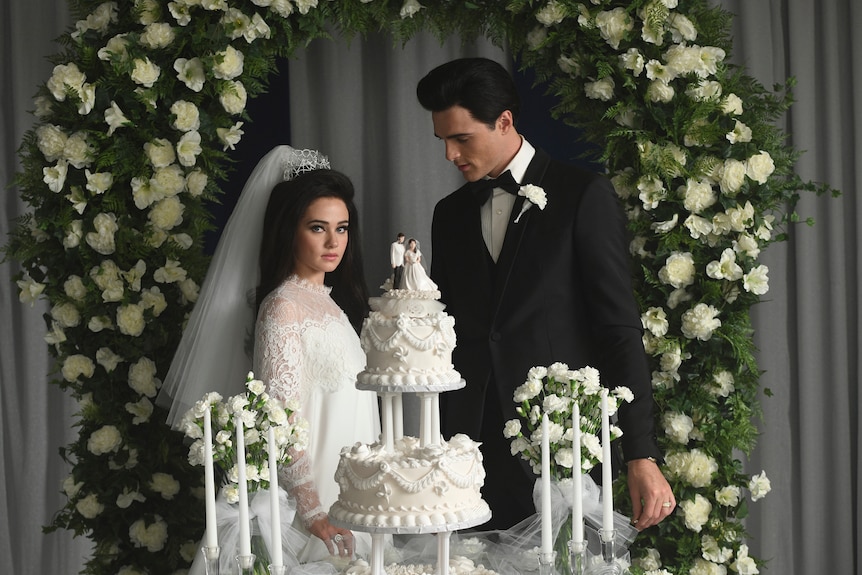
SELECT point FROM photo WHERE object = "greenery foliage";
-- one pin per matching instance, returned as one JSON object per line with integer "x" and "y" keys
{"x": 136, "y": 125}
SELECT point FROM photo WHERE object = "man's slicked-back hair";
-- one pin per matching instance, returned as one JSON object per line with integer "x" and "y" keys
{"x": 481, "y": 86}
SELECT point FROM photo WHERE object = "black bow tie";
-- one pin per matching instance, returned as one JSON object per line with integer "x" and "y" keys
{"x": 482, "y": 188}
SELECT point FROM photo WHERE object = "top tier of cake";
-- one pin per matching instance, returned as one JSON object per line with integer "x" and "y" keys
{"x": 408, "y": 340}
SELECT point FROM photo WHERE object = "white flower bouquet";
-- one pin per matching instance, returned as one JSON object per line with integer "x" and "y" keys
{"x": 259, "y": 411}
{"x": 553, "y": 390}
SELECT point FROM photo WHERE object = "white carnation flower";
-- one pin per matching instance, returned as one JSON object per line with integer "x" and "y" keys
{"x": 759, "y": 167}
{"x": 696, "y": 512}
{"x": 89, "y": 506}
{"x": 759, "y": 486}
{"x": 228, "y": 63}
{"x": 678, "y": 270}
{"x": 186, "y": 116}
{"x": 106, "y": 439}
{"x": 130, "y": 320}
{"x": 165, "y": 485}
{"x": 142, "y": 377}
{"x": 728, "y": 495}
{"x": 145, "y": 72}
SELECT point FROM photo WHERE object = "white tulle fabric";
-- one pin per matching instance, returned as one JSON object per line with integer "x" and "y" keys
{"x": 214, "y": 353}
{"x": 415, "y": 277}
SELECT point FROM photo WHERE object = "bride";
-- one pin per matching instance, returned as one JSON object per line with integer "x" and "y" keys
{"x": 297, "y": 224}
{"x": 415, "y": 277}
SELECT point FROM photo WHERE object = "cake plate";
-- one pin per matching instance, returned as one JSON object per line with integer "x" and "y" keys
{"x": 443, "y": 531}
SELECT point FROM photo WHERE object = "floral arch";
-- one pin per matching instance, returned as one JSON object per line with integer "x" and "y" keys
{"x": 136, "y": 123}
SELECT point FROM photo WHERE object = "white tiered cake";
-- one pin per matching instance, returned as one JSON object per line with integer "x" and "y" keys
{"x": 404, "y": 484}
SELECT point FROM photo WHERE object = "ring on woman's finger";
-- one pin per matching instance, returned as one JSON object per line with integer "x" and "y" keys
{"x": 666, "y": 504}
{"x": 338, "y": 538}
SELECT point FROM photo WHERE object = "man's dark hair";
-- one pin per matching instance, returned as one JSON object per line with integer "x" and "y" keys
{"x": 481, "y": 86}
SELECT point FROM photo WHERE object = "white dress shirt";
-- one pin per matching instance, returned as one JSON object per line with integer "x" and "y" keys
{"x": 496, "y": 212}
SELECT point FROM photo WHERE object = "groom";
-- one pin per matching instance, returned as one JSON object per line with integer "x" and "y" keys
{"x": 551, "y": 285}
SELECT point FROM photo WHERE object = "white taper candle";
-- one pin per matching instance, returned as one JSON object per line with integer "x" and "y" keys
{"x": 209, "y": 481}
{"x": 607, "y": 495}
{"x": 277, "y": 559}
{"x": 547, "y": 546}
{"x": 577, "y": 477}
{"x": 244, "y": 527}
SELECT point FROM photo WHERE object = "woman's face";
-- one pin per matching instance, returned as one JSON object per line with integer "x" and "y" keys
{"x": 321, "y": 238}
{"x": 412, "y": 245}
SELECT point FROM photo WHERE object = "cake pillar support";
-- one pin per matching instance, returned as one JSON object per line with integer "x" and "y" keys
{"x": 398, "y": 416}
{"x": 443, "y": 552}
{"x": 429, "y": 419}
{"x": 388, "y": 420}
{"x": 377, "y": 543}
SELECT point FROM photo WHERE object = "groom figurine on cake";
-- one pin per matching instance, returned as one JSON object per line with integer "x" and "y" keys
{"x": 531, "y": 283}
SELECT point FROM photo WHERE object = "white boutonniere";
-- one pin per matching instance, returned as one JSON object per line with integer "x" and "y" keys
{"x": 535, "y": 196}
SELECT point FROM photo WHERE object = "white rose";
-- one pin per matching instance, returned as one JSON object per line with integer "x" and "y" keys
{"x": 660, "y": 91}
{"x": 191, "y": 73}
{"x": 160, "y": 152}
{"x": 65, "y": 77}
{"x": 512, "y": 428}
{"x": 759, "y": 167}
{"x": 102, "y": 240}
{"x": 157, "y": 35}
{"x": 188, "y": 148}
{"x": 228, "y": 63}
{"x": 74, "y": 288}
{"x": 759, "y": 486}
{"x": 167, "y": 181}
{"x": 78, "y": 150}
{"x": 552, "y": 13}
{"x": 74, "y": 366}
{"x": 614, "y": 25}
{"x": 145, "y": 73}
{"x": 66, "y": 314}
{"x": 732, "y": 105}
{"x": 142, "y": 377}
{"x": 700, "y": 321}
{"x": 89, "y": 507}
{"x": 728, "y": 496}
{"x": 600, "y": 89}
{"x": 167, "y": 213}
{"x": 233, "y": 97}
{"x": 731, "y": 176}
{"x": 697, "y": 195}
{"x": 152, "y": 537}
{"x": 165, "y": 485}
{"x": 51, "y": 141}
{"x": 677, "y": 426}
{"x": 186, "y": 116}
{"x": 106, "y": 439}
{"x": 678, "y": 270}
{"x": 409, "y": 9}
{"x": 696, "y": 512}
{"x": 130, "y": 320}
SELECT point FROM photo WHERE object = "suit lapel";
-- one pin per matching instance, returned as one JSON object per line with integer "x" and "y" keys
{"x": 515, "y": 232}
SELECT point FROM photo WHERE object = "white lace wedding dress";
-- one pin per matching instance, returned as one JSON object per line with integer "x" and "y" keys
{"x": 307, "y": 351}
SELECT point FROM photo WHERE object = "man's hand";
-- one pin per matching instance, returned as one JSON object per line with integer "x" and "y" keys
{"x": 652, "y": 498}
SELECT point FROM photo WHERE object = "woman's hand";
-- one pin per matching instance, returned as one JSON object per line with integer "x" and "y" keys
{"x": 338, "y": 541}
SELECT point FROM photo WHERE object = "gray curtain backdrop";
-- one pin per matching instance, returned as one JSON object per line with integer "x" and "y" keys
{"x": 807, "y": 330}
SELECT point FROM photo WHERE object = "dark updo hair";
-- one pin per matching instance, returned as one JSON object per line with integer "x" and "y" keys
{"x": 481, "y": 86}
{"x": 288, "y": 203}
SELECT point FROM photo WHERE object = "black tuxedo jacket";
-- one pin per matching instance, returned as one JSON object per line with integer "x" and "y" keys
{"x": 560, "y": 291}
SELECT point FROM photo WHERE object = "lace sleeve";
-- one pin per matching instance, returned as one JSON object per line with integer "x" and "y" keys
{"x": 278, "y": 357}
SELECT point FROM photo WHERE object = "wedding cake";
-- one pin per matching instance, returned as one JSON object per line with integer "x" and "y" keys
{"x": 404, "y": 484}
{"x": 408, "y": 340}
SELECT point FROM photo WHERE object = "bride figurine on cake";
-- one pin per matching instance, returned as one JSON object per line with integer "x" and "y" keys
{"x": 415, "y": 277}
{"x": 288, "y": 269}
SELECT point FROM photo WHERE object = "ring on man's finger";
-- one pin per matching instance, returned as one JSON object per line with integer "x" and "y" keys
{"x": 666, "y": 504}
{"x": 338, "y": 538}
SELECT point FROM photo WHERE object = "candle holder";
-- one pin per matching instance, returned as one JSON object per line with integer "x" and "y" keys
{"x": 211, "y": 557}
{"x": 245, "y": 564}
{"x": 607, "y": 564}
{"x": 577, "y": 557}
{"x": 547, "y": 563}
{"x": 277, "y": 569}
